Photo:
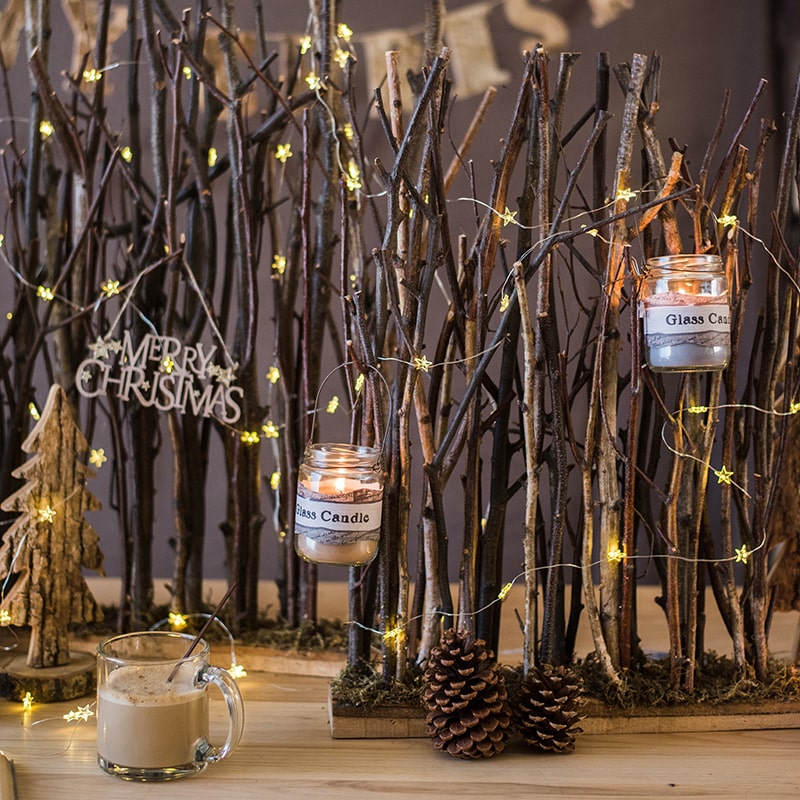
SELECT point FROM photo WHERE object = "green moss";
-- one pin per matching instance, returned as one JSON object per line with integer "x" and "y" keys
{"x": 716, "y": 683}
{"x": 647, "y": 686}
{"x": 361, "y": 686}
{"x": 310, "y": 637}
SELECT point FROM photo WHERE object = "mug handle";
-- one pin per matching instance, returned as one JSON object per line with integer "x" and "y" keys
{"x": 233, "y": 699}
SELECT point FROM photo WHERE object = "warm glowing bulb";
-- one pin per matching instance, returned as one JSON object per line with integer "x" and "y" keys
{"x": 615, "y": 555}
{"x": 178, "y": 621}
{"x": 283, "y": 152}
{"x": 742, "y": 553}
{"x": 393, "y": 636}
{"x": 237, "y": 671}
{"x": 270, "y": 430}
{"x": 504, "y": 591}
{"x": 109, "y": 288}
{"x": 46, "y": 513}
{"x": 98, "y": 457}
{"x": 279, "y": 264}
{"x": 27, "y": 701}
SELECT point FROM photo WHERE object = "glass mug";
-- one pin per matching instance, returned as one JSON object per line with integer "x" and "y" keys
{"x": 152, "y": 706}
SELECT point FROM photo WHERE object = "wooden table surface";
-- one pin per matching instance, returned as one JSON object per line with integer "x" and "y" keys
{"x": 287, "y": 752}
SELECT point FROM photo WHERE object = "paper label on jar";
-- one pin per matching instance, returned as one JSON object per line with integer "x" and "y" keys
{"x": 339, "y": 522}
{"x": 659, "y": 319}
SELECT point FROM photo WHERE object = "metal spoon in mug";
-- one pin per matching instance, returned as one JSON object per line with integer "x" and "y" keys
{"x": 202, "y": 631}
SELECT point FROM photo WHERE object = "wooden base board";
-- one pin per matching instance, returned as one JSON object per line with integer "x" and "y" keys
{"x": 48, "y": 684}
{"x": 408, "y": 722}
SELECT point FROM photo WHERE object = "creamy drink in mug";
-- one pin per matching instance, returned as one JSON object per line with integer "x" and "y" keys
{"x": 152, "y": 706}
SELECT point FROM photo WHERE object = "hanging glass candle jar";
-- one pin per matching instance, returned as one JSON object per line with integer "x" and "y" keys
{"x": 339, "y": 504}
{"x": 686, "y": 313}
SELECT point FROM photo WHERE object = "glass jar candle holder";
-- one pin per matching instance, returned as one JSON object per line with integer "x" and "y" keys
{"x": 339, "y": 504}
{"x": 685, "y": 309}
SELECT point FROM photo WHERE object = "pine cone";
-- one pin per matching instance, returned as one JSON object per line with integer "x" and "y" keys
{"x": 465, "y": 695}
{"x": 549, "y": 712}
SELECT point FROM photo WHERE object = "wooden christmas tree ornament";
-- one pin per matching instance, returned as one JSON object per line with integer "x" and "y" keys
{"x": 41, "y": 559}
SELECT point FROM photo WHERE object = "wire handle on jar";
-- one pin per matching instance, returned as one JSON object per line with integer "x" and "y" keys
{"x": 315, "y": 411}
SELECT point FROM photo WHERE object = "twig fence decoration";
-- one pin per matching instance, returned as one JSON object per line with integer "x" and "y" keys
{"x": 529, "y": 409}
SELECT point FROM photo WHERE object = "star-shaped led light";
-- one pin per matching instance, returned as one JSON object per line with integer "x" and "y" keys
{"x": 724, "y": 475}
{"x": 341, "y": 57}
{"x": 273, "y": 374}
{"x": 353, "y": 177}
{"x": 178, "y": 621}
{"x": 615, "y": 555}
{"x": 421, "y": 363}
{"x": 81, "y": 714}
{"x": 279, "y": 264}
{"x": 508, "y": 217}
{"x": 237, "y": 671}
{"x": 109, "y": 288}
{"x": 270, "y": 430}
{"x": 97, "y": 457}
{"x": 46, "y": 513}
{"x": 626, "y": 194}
{"x": 283, "y": 152}
{"x": 742, "y": 554}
